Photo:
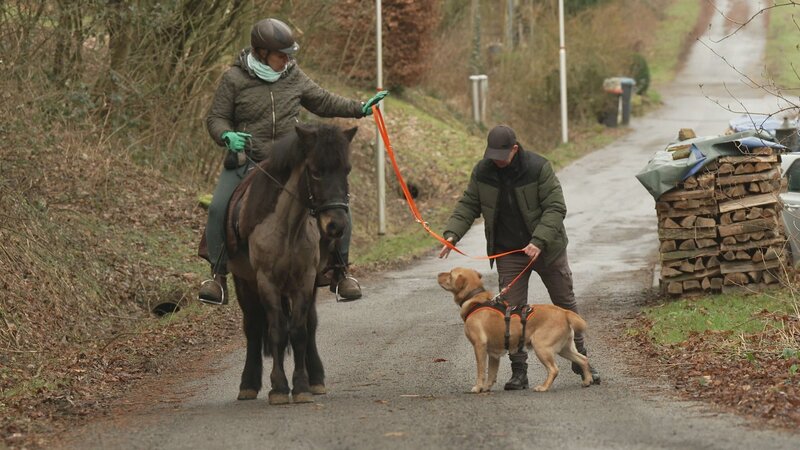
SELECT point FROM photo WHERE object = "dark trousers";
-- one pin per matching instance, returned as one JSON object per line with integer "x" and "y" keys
{"x": 557, "y": 278}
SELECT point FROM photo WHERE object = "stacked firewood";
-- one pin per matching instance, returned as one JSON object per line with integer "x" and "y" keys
{"x": 720, "y": 230}
{"x": 751, "y": 234}
{"x": 687, "y": 230}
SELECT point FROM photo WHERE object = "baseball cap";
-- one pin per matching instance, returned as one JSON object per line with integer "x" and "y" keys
{"x": 500, "y": 142}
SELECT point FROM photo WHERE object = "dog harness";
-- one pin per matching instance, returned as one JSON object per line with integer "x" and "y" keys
{"x": 525, "y": 313}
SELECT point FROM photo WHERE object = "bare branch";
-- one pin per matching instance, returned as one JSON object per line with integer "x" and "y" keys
{"x": 743, "y": 24}
{"x": 744, "y": 109}
{"x": 775, "y": 92}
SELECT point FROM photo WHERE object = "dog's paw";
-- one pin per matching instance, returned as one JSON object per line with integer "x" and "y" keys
{"x": 540, "y": 388}
{"x": 587, "y": 383}
{"x": 476, "y": 389}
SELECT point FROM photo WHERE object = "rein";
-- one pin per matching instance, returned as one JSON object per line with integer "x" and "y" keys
{"x": 314, "y": 210}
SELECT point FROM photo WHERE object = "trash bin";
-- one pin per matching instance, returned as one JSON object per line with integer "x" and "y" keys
{"x": 619, "y": 107}
{"x": 787, "y": 134}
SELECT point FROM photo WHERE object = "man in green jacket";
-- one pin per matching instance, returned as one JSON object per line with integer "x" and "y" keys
{"x": 257, "y": 102}
{"x": 523, "y": 207}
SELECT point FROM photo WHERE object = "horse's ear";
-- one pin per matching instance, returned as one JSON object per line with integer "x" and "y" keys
{"x": 306, "y": 134}
{"x": 349, "y": 134}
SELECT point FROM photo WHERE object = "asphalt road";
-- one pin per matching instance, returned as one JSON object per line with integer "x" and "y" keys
{"x": 388, "y": 391}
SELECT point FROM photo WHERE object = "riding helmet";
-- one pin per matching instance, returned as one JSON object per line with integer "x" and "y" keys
{"x": 273, "y": 35}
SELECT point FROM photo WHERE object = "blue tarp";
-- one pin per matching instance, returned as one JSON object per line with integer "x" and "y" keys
{"x": 663, "y": 173}
{"x": 758, "y": 122}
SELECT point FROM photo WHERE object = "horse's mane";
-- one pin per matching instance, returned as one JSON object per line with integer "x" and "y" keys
{"x": 286, "y": 155}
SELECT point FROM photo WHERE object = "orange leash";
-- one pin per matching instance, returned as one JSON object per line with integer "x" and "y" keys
{"x": 376, "y": 113}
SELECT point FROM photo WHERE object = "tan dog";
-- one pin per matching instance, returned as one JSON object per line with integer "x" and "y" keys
{"x": 550, "y": 330}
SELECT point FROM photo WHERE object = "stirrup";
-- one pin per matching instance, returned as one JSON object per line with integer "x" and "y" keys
{"x": 211, "y": 302}
{"x": 336, "y": 291}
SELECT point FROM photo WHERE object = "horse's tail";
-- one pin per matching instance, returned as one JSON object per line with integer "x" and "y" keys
{"x": 265, "y": 341}
{"x": 285, "y": 315}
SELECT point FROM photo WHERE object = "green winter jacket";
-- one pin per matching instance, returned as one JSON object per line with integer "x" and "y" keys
{"x": 244, "y": 102}
{"x": 538, "y": 195}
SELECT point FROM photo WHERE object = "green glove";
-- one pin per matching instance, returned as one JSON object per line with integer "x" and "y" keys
{"x": 366, "y": 108}
{"x": 235, "y": 140}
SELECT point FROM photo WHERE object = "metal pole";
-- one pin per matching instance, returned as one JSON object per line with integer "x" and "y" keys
{"x": 380, "y": 152}
{"x": 476, "y": 105}
{"x": 562, "y": 54}
{"x": 484, "y": 95}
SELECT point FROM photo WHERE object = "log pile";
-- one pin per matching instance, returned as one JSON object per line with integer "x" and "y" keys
{"x": 721, "y": 230}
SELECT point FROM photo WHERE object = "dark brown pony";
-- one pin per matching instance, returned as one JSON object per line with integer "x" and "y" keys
{"x": 293, "y": 203}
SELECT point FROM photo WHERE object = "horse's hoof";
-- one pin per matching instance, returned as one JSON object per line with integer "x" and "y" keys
{"x": 247, "y": 394}
{"x": 303, "y": 397}
{"x": 278, "y": 398}
{"x": 318, "y": 389}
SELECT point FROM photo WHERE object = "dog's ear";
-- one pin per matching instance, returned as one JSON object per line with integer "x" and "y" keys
{"x": 460, "y": 282}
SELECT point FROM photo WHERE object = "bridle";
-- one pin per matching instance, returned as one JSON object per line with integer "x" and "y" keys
{"x": 313, "y": 208}
{"x": 316, "y": 210}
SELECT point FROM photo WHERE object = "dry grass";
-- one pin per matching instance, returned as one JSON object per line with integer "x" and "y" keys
{"x": 523, "y": 84}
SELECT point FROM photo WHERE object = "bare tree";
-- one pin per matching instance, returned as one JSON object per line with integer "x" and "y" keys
{"x": 791, "y": 103}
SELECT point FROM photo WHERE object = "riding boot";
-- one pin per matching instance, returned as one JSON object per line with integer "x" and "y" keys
{"x": 344, "y": 285}
{"x": 214, "y": 291}
{"x": 519, "y": 372}
{"x": 577, "y": 368}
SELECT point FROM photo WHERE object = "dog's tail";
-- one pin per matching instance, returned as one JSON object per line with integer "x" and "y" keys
{"x": 576, "y": 322}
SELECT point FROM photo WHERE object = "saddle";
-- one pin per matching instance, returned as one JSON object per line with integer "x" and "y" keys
{"x": 236, "y": 204}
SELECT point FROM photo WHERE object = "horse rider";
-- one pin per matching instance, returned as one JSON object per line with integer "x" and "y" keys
{"x": 523, "y": 208}
{"x": 257, "y": 102}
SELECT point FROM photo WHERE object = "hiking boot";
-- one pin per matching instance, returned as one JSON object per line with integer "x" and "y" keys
{"x": 214, "y": 291}
{"x": 518, "y": 381}
{"x": 345, "y": 286}
{"x": 576, "y": 368}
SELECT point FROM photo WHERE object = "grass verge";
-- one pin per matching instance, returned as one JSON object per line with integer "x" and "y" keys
{"x": 673, "y": 39}
{"x": 739, "y": 353}
{"x": 783, "y": 52}
{"x": 676, "y": 321}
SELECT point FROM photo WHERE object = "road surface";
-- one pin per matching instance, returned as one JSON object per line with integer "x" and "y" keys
{"x": 388, "y": 391}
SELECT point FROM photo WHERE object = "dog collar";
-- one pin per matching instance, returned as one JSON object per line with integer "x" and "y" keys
{"x": 473, "y": 293}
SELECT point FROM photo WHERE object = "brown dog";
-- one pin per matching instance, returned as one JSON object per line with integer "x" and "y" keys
{"x": 550, "y": 330}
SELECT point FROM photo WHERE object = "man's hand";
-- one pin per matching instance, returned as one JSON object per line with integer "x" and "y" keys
{"x": 366, "y": 108}
{"x": 445, "y": 252}
{"x": 532, "y": 251}
{"x": 235, "y": 140}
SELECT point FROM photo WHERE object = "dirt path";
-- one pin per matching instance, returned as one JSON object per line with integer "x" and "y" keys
{"x": 386, "y": 388}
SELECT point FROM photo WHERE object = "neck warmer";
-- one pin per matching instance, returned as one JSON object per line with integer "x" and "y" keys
{"x": 262, "y": 70}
